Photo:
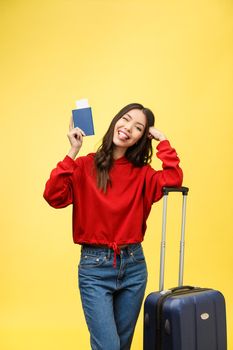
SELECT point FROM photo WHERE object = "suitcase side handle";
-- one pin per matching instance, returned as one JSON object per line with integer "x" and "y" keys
{"x": 166, "y": 190}
{"x": 178, "y": 289}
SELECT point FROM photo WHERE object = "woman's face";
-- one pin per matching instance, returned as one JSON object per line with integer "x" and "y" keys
{"x": 129, "y": 129}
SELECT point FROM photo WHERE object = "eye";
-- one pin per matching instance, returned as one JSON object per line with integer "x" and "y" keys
{"x": 139, "y": 129}
{"x": 125, "y": 118}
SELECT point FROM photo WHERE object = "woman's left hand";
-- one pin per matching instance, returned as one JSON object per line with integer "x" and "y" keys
{"x": 156, "y": 134}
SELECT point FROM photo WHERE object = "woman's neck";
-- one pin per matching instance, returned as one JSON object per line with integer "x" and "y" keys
{"x": 118, "y": 152}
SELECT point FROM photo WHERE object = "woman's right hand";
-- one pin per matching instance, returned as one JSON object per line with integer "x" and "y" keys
{"x": 75, "y": 136}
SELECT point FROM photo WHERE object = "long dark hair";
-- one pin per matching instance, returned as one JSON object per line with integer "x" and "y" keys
{"x": 139, "y": 154}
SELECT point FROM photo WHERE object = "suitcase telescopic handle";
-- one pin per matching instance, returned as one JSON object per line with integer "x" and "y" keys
{"x": 166, "y": 191}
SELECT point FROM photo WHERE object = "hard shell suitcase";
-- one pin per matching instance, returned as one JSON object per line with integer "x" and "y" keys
{"x": 185, "y": 317}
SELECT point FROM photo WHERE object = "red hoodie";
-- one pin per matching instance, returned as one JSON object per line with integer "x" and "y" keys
{"x": 119, "y": 216}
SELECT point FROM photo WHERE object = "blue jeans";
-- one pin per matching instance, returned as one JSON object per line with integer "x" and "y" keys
{"x": 112, "y": 297}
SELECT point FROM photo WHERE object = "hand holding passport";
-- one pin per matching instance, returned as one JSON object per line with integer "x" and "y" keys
{"x": 82, "y": 117}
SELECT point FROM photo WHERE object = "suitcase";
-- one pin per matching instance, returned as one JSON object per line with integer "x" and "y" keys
{"x": 185, "y": 317}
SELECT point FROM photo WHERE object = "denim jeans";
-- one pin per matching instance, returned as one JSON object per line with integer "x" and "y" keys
{"x": 112, "y": 297}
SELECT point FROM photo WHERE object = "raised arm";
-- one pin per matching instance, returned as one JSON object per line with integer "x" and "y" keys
{"x": 171, "y": 173}
{"x": 59, "y": 189}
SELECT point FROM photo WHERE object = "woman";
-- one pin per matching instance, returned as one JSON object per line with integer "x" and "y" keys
{"x": 112, "y": 192}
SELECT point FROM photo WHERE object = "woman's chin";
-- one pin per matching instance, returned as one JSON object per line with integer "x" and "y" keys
{"x": 120, "y": 143}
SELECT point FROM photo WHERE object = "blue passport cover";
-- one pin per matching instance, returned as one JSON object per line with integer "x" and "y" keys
{"x": 83, "y": 119}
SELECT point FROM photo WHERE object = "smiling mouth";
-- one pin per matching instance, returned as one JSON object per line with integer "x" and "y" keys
{"x": 122, "y": 135}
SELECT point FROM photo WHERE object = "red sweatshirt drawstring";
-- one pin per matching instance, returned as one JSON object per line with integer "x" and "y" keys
{"x": 116, "y": 251}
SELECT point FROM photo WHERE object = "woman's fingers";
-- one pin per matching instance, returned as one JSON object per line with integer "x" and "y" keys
{"x": 75, "y": 133}
{"x": 82, "y": 132}
{"x": 156, "y": 134}
{"x": 71, "y": 125}
{"x": 75, "y": 136}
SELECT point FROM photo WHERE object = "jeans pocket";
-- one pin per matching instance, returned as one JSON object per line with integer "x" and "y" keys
{"x": 138, "y": 255}
{"x": 88, "y": 260}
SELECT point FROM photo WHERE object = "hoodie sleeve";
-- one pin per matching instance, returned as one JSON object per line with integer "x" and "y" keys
{"x": 171, "y": 175}
{"x": 59, "y": 188}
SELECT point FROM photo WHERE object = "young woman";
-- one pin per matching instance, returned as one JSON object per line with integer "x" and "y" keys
{"x": 112, "y": 192}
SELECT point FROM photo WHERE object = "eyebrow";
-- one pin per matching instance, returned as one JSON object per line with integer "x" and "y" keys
{"x": 136, "y": 122}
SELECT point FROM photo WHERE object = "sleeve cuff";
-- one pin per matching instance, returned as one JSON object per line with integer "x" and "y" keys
{"x": 69, "y": 163}
{"x": 163, "y": 145}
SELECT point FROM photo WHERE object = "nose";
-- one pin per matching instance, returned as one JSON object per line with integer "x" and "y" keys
{"x": 128, "y": 126}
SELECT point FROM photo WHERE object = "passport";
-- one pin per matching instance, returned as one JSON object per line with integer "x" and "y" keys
{"x": 82, "y": 117}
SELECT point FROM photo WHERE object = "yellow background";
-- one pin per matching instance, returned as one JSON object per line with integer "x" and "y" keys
{"x": 172, "y": 56}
